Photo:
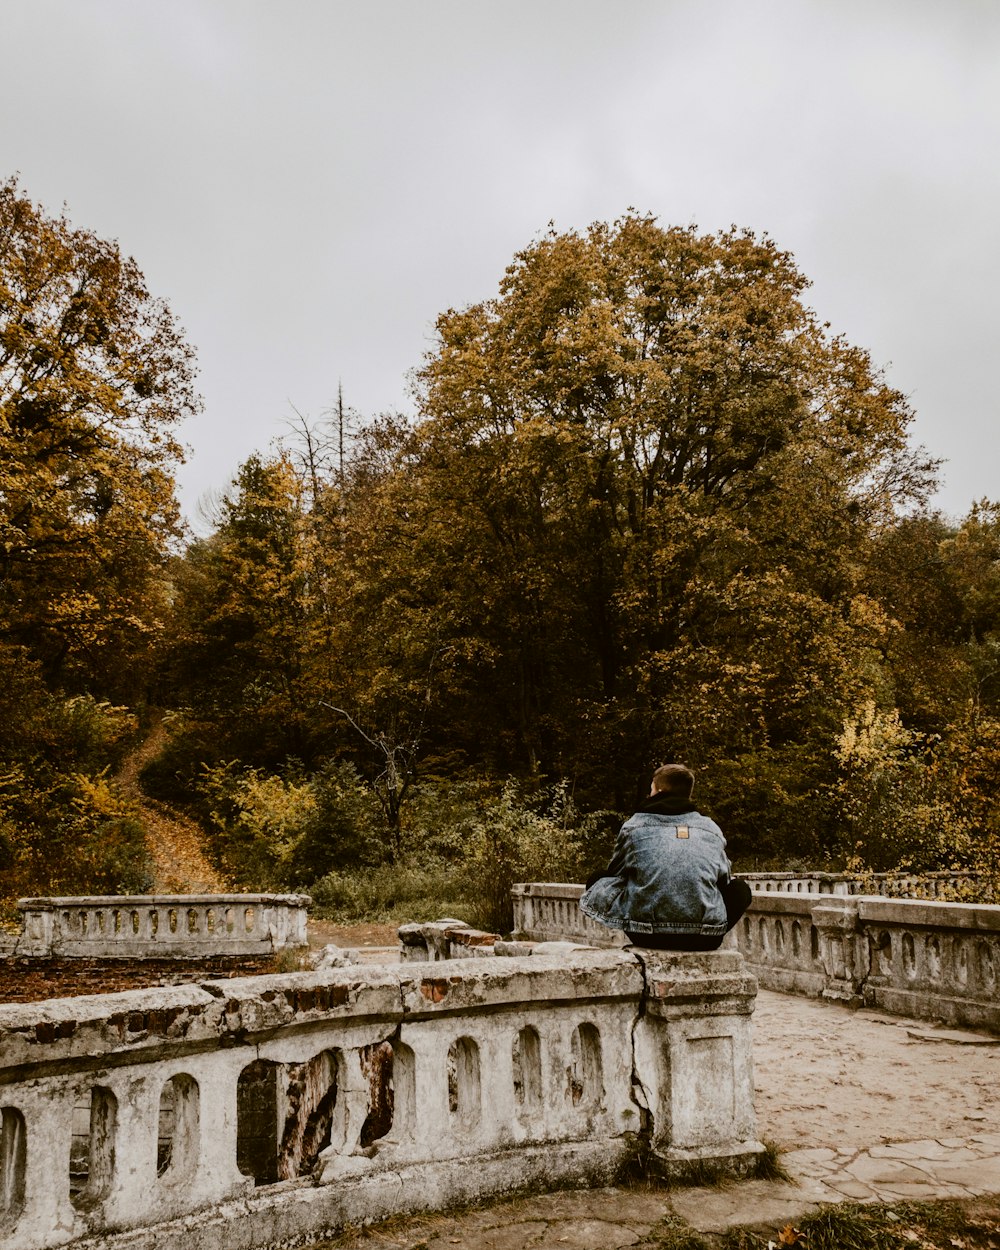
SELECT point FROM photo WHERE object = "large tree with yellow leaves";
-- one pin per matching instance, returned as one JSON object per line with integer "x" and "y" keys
{"x": 94, "y": 377}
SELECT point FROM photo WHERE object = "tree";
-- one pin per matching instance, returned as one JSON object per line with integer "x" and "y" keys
{"x": 643, "y": 482}
{"x": 94, "y": 377}
{"x": 241, "y": 619}
{"x": 635, "y": 518}
{"x": 940, "y": 583}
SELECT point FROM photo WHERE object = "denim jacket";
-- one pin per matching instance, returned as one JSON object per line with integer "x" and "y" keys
{"x": 665, "y": 874}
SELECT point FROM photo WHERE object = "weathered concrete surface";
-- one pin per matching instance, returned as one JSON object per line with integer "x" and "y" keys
{"x": 929, "y": 960}
{"x": 842, "y": 1090}
{"x": 924, "y": 885}
{"x": 429, "y": 942}
{"x": 274, "y": 1109}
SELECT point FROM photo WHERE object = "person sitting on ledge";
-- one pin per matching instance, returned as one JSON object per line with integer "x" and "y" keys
{"x": 669, "y": 882}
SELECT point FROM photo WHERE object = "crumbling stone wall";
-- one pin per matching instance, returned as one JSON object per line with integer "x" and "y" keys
{"x": 253, "y": 1112}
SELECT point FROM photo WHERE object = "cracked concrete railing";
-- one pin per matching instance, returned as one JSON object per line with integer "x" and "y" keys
{"x": 926, "y": 959}
{"x": 549, "y": 911}
{"x": 275, "y": 1110}
{"x": 158, "y": 926}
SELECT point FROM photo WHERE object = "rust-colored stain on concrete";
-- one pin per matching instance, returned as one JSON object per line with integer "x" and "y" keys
{"x": 434, "y": 991}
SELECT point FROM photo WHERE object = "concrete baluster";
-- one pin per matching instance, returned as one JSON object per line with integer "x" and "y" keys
{"x": 216, "y": 1176}
{"x": 845, "y": 956}
{"x": 135, "y": 1134}
{"x": 430, "y": 1043}
{"x": 47, "y": 1217}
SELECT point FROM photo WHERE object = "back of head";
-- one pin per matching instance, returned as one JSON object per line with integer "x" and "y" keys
{"x": 675, "y": 780}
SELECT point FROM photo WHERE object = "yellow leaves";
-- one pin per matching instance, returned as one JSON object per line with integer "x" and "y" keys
{"x": 867, "y": 614}
{"x": 95, "y": 796}
{"x": 86, "y": 503}
{"x": 791, "y": 1236}
{"x": 873, "y": 737}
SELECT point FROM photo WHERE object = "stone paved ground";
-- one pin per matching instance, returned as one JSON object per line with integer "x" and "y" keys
{"x": 864, "y": 1105}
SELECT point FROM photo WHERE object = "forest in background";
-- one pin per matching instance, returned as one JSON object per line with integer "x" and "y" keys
{"x": 648, "y": 508}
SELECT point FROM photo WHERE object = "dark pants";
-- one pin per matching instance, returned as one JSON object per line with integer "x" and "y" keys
{"x": 737, "y": 896}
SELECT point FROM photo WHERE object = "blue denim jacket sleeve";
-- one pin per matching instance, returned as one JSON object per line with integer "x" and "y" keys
{"x": 664, "y": 877}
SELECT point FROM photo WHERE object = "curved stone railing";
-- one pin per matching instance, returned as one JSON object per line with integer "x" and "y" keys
{"x": 275, "y": 1110}
{"x": 159, "y": 926}
{"x": 927, "y": 885}
{"x": 930, "y": 960}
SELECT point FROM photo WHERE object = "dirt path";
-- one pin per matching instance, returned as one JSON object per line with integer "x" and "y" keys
{"x": 175, "y": 842}
{"x": 372, "y": 936}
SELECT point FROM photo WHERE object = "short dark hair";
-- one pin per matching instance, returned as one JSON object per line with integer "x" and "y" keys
{"x": 674, "y": 779}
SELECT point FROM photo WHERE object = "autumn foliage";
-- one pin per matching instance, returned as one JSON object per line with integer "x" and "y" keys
{"x": 648, "y": 508}
{"x": 94, "y": 376}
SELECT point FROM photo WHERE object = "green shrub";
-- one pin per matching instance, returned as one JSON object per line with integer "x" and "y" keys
{"x": 895, "y": 812}
{"x": 391, "y": 893}
{"x": 72, "y": 835}
{"x": 343, "y": 829}
{"x": 254, "y": 819}
{"x": 94, "y": 735}
{"x": 508, "y": 840}
{"x": 272, "y": 831}
{"x": 467, "y": 843}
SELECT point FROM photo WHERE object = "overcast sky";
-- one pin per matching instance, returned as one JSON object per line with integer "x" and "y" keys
{"x": 309, "y": 183}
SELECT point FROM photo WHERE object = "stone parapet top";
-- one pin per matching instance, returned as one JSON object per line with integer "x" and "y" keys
{"x": 548, "y": 889}
{"x": 930, "y": 959}
{"x": 797, "y": 904}
{"x": 163, "y": 900}
{"x": 147, "y": 1021}
{"x": 984, "y": 917}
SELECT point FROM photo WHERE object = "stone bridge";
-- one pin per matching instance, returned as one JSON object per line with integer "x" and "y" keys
{"x": 273, "y": 1110}
{"x": 927, "y": 959}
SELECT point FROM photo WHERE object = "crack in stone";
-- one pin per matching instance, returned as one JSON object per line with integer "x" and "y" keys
{"x": 639, "y": 1093}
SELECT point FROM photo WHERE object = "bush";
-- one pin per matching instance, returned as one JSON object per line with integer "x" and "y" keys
{"x": 93, "y": 734}
{"x": 894, "y": 809}
{"x": 271, "y": 831}
{"x": 254, "y": 819}
{"x": 345, "y": 828}
{"x": 392, "y": 893}
{"x": 507, "y": 841}
{"x": 74, "y": 835}
{"x": 64, "y": 829}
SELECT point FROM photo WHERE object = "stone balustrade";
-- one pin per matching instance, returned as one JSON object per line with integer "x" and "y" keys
{"x": 926, "y": 959}
{"x": 159, "y": 926}
{"x": 929, "y": 885}
{"x": 274, "y": 1110}
{"x": 550, "y": 912}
